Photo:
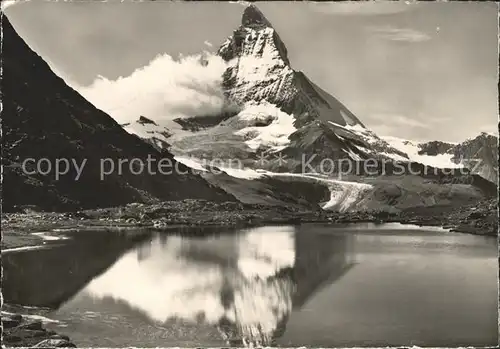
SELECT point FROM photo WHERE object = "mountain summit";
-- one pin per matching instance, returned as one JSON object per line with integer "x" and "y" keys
{"x": 271, "y": 108}
{"x": 253, "y": 17}
{"x": 279, "y": 109}
{"x": 259, "y": 69}
{"x": 259, "y": 72}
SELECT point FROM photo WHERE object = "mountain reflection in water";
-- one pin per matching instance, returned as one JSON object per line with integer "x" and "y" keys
{"x": 244, "y": 284}
{"x": 285, "y": 286}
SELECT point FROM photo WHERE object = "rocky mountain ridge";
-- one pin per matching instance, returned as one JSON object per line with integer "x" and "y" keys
{"x": 43, "y": 118}
{"x": 478, "y": 154}
{"x": 298, "y": 114}
{"x": 281, "y": 110}
{"x": 259, "y": 71}
{"x": 283, "y": 117}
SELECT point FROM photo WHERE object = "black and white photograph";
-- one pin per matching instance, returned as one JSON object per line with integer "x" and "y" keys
{"x": 216, "y": 174}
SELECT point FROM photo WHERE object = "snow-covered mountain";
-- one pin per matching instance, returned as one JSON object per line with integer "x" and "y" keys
{"x": 279, "y": 112}
{"x": 277, "y": 108}
{"x": 479, "y": 154}
{"x": 259, "y": 71}
{"x": 425, "y": 152}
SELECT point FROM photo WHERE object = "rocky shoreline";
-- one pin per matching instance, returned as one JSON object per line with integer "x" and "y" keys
{"x": 478, "y": 218}
{"x": 21, "y": 331}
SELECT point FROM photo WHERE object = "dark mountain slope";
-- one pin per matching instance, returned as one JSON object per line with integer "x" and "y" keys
{"x": 480, "y": 155}
{"x": 44, "y": 118}
{"x": 434, "y": 148}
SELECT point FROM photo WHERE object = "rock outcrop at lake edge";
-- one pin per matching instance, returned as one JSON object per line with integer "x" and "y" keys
{"x": 21, "y": 331}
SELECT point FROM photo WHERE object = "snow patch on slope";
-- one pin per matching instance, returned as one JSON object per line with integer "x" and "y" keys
{"x": 374, "y": 144}
{"x": 159, "y": 134}
{"x": 412, "y": 148}
{"x": 205, "y": 165}
{"x": 274, "y": 135}
{"x": 191, "y": 162}
{"x": 344, "y": 195}
{"x": 243, "y": 173}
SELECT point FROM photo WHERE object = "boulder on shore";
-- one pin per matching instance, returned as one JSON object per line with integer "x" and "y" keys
{"x": 20, "y": 331}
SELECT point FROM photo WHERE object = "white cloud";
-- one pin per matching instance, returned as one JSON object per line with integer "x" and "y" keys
{"x": 208, "y": 43}
{"x": 367, "y": 8}
{"x": 165, "y": 89}
{"x": 8, "y": 3}
{"x": 399, "y": 34}
{"x": 489, "y": 128}
{"x": 394, "y": 120}
{"x": 241, "y": 3}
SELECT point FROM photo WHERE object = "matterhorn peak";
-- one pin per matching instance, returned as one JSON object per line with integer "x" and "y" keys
{"x": 253, "y": 17}
{"x": 255, "y": 35}
{"x": 259, "y": 70}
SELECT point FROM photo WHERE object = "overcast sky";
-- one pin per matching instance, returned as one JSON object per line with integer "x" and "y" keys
{"x": 416, "y": 71}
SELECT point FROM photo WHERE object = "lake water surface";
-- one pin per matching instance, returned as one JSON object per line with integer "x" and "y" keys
{"x": 307, "y": 285}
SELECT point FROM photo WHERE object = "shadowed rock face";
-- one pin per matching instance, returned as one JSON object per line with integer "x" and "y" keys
{"x": 253, "y": 17}
{"x": 44, "y": 118}
{"x": 434, "y": 148}
{"x": 480, "y": 155}
{"x": 58, "y": 273}
{"x": 144, "y": 120}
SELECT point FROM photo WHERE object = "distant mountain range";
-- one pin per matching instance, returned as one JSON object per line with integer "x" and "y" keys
{"x": 479, "y": 155}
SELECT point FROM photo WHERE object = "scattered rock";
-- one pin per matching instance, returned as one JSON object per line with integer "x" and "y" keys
{"x": 476, "y": 215}
{"x": 18, "y": 331}
{"x": 11, "y": 321}
{"x": 36, "y": 325}
{"x": 11, "y": 339}
{"x": 479, "y": 217}
{"x": 59, "y": 336}
{"x": 54, "y": 343}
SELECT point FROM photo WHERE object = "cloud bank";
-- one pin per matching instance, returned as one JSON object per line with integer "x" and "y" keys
{"x": 398, "y": 120}
{"x": 363, "y": 8}
{"x": 164, "y": 89}
{"x": 7, "y": 3}
{"x": 400, "y": 34}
